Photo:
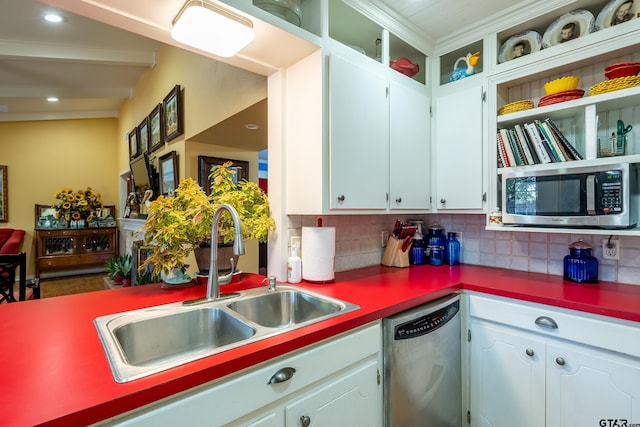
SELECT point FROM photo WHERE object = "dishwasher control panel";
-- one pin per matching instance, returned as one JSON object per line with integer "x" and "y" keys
{"x": 427, "y": 323}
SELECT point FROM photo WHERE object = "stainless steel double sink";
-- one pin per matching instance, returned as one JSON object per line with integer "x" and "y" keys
{"x": 146, "y": 341}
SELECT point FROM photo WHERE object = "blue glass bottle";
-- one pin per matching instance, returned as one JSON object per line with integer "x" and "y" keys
{"x": 417, "y": 255}
{"x": 452, "y": 254}
{"x": 580, "y": 266}
{"x": 436, "y": 245}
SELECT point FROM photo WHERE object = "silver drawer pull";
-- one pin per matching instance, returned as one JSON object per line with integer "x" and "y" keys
{"x": 560, "y": 361}
{"x": 546, "y": 322}
{"x": 283, "y": 375}
{"x": 305, "y": 421}
{"x": 529, "y": 352}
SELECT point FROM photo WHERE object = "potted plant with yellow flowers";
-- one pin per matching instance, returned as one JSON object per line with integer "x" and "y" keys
{"x": 179, "y": 224}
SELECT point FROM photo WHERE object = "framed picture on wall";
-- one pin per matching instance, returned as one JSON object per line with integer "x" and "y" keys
{"x": 168, "y": 173}
{"x": 173, "y": 115}
{"x": 133, "y": 144}
{"x": 4, "y": 208}
{"x": 143, "y": 136}
{"x": 206, "y": 163}
{"x": 155, "y": 128}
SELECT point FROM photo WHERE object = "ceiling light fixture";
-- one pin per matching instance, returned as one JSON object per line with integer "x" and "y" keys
{"x": 53, "y": 17}
{"x": 52, "y": 99}
{"x": 212, "y": 29}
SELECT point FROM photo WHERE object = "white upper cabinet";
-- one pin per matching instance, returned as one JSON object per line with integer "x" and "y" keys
{"x": 459, "y": 147}
{"x": 409, "y": 153}
{"x": 358, "y": 136}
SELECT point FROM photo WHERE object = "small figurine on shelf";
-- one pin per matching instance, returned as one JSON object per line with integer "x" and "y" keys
{"x": 471, "y": 60}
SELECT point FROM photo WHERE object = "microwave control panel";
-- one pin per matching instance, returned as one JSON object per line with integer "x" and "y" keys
{"x": 610, "y": 192}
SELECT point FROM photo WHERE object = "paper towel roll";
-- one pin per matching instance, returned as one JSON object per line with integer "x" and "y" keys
{"x": 318, "y": 253}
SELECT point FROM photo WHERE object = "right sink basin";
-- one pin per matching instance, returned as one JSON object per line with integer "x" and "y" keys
{"x": 286, "y": 307}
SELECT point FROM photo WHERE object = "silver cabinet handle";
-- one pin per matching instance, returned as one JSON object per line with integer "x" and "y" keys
{"x": 283, "y": 375}
{"x": 305, "y": 421}
{"x": 530, "y": 352}
{"x": 341, "y": 198}
{"x": 443, "y": 201}
{"x": 399, "y": 200}
{"x": 560, "y": 361}
{"x": 591, "y": 194}
{"x": 546, "y": 322}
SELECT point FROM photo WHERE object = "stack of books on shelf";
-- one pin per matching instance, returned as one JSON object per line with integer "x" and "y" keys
{"x": 534, "y": 143}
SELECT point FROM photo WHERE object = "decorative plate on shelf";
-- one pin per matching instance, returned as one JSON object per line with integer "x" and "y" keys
{"x": 520, "y": 45}
{"x": 617, "y": 12}
{"x": 524, "y": 104}
{"x": 569, "y": 26}
{"x": 558, "y": 97}
{"x": 614, "y": 84}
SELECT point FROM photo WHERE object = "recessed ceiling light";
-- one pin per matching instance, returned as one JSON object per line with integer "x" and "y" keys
{"x": 52, "y": 99}
{"x": 252, "y": 126}
{"x": 53, "y": 17}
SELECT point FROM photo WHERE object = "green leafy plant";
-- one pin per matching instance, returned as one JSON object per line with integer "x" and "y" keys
{"x": 119, "y": 268}
{"x": 247, "y": 198}
{"x": 147, "y": 277}
{"x": 178, "y": 224}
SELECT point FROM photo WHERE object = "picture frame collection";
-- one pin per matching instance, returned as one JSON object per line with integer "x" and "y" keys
{"x": 164, "y": 124}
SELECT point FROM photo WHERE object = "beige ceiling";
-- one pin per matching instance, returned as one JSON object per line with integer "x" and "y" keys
{"x": 91, "y": 67}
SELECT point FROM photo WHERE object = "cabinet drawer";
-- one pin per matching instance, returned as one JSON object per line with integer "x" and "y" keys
{"x": 56, "y": 233}
{"x": 598, "y": 331}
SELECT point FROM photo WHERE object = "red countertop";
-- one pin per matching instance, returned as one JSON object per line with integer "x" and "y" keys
{"x": 55, "y": 372}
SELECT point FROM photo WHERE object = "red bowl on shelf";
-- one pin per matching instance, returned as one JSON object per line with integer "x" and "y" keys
{"x": 623, "y": 69}
{"x": 405, "y": 66}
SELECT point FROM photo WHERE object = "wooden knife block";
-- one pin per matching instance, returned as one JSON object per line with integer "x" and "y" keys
{"x": 394, "y": 256}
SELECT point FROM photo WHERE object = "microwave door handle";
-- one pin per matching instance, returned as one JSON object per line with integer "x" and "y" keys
{"x": 591, "y": 194}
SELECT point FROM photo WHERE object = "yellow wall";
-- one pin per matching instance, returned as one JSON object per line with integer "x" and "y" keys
{"x": 212, "y": 92}
{"x": 44, "y": 157}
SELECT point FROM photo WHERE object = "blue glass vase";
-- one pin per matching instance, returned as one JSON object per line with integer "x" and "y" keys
{"x": 580, "y": 266}
{"x": 452, "y": 254}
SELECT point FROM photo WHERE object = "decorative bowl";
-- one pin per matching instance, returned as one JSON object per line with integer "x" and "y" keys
{"x": 623, "y": 69}
{"x": 561, "y": 85}
{"x": 405, "y": 66}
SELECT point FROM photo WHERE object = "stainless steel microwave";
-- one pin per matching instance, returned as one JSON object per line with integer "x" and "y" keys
{"x": 603, "y": 196}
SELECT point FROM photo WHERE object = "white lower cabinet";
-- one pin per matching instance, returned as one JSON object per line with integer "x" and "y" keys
{"x": 507, "y": 387}
{"x": 536, "y": 366}
{"x": 347, "y": 401}
{"x": 335, "y": 383}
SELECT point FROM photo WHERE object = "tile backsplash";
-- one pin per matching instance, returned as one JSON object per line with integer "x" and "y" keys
{"x": 359, "y": 244}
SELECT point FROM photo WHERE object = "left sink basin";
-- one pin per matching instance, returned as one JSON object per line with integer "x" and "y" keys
{"x": 146, "y": 341}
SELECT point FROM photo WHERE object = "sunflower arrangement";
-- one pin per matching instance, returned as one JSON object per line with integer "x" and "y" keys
{"x": 76, "y": 205}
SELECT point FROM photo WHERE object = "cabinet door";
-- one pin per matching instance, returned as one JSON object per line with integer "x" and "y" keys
{"x": 507, "y": 378}
{"x": 587, "y": 387}
{"x": 459, "y": 149}
{"x": 409, "y": 149}
{"x": 358, "y": 137}
{"x": 351, "y": 400}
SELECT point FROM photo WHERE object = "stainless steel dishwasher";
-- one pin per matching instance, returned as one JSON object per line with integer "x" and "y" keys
{"x": 422, "y": 366}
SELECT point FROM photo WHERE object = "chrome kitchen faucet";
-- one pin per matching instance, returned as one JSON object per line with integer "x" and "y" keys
{"x": 213, "y": 284}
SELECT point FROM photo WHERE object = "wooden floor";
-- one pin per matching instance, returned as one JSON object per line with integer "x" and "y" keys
{"x": 71, "y": 285}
